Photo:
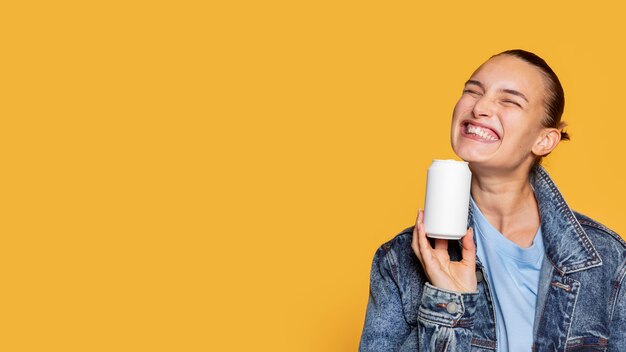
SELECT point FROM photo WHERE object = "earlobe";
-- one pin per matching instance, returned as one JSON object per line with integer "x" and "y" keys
{"x": 548, "y": 140}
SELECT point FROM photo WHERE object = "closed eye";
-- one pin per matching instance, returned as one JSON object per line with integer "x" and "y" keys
{"x": 471, "y": 91}
{"x": 512, "y": 102}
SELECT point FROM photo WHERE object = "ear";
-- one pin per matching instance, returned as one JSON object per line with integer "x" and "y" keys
{"x": 547, "y": 141}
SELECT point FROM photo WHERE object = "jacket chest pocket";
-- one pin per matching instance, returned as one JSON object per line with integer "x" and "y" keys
{"x": 579, "y": 344}
{"x": 556, "y": 317}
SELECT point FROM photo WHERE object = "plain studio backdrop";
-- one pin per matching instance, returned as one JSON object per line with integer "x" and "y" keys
{"x": 216, "y": 176}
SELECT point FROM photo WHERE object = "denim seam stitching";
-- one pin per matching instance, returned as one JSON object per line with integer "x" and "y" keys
{"x": 483, "y": 343}
{"x": 605, "y": 229}
{"x": 569, "y": 328}
{"x": 567, "y": 212}
{"x": 617, "y": 287}
{"x": 434, "y": 315}
{"x": 579, "y": 341}
{"x": 422, "y": 316}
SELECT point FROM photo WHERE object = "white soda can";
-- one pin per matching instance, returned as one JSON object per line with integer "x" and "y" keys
{"x": 447, "y": 199}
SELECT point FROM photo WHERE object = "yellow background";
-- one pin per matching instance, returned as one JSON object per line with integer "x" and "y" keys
{"x": 216, "y": 176}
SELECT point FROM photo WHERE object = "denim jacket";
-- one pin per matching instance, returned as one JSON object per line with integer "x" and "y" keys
{"x": 581, "y": 301}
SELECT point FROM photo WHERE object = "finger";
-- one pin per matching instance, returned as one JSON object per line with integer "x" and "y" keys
{"x": 421, "y": 230}
{"x": 414, "y": 240}
{"x": 441, "y": 244}
{"x": 415, "y": 244}
{"x": 469, "y": 247}
{"x": 424, "y": 246}
{"x": 416, "y": 249}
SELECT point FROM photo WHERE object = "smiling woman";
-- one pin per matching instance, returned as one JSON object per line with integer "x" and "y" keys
{"x": 546, "y": 96}
{"x": 530, "y": 273}
{"x": 501, "y": 114}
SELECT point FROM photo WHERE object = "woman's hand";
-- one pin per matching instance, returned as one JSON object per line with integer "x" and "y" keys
{"x": 441, "y": 272}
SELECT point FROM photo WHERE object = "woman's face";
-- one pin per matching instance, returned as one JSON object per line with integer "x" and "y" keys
{"x": 497, "y": 120}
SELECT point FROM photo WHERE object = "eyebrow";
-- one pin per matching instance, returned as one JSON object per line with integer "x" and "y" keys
{"x": 510, "y": 91}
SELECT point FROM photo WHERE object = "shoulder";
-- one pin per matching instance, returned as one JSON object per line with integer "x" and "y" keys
{"x": 399, "y": 241}
{"x": 398, "y": 248}
{"x": 610, "y": 246}
{"x": 396, "y": 257}
{"x": 612, "y": 250}
{"x": 599, "y": 232}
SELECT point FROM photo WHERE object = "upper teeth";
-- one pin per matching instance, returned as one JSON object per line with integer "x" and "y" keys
{"x": 483, "y": 132}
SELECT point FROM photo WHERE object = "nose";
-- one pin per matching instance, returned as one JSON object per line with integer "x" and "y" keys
{"x": 483, "y": 107}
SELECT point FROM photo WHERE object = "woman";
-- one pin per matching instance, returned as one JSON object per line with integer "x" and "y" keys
{"x": 530, "y": 273}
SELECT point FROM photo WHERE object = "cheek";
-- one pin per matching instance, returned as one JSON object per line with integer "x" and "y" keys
{"x": 457, "y": 110}
{"x": 456, "y": 116}
{"x": 464, "y": 105}
{"x": 462, "y": 109}
{"x": 521, "y": 137}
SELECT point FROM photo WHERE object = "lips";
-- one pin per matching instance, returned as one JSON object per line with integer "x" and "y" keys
{"x": 479, "y": 132}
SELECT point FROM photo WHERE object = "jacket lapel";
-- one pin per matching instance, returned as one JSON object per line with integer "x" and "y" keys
{"x": 567, "y": 245}
{"x": 568, "y": 250}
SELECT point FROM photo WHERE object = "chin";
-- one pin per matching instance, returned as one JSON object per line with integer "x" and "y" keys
{"x": 472, "y": 157}
{"x": 473, "y": 153}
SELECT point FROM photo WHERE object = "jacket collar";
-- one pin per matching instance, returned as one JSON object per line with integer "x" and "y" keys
{"x": 567, "y": 246}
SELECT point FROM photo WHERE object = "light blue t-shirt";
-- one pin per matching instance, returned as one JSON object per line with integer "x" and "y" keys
{"x": 513, "y": 276}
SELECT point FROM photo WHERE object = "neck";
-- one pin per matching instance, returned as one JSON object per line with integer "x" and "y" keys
{"x": 509, "y": 205}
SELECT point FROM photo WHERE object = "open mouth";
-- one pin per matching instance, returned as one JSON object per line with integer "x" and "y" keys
{"x": 479, "y": 132}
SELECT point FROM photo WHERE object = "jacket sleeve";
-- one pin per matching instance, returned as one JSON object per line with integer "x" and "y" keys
{"x": 444, "y": 317}
{"x": 385, "y": 327}
{"x": 617, "y": 338}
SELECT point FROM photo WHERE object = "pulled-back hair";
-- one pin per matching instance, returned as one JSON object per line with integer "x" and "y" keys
{"x": 555, "y": 97}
